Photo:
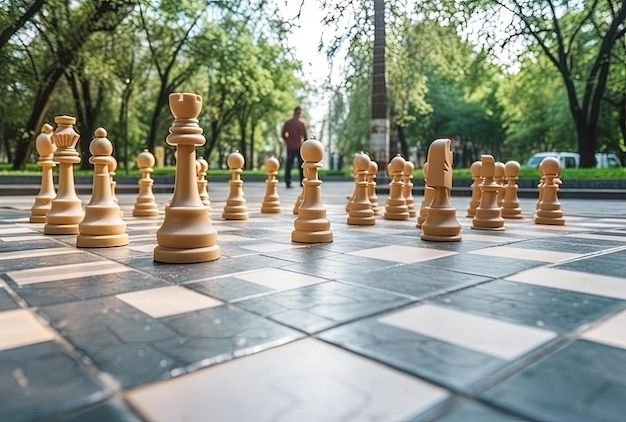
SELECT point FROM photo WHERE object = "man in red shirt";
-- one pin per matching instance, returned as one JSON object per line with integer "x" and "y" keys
{"x": 293, "y": 134}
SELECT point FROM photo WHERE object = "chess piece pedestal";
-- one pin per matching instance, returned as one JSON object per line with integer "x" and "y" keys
{"x": 186, "y": 234}
{"x": 43, "y": 200}
{"x": 549, "y": 208}
{"x": 488, "y": 214}
{"x": 102, "y": 226}
{"x": 395, "y": 207}
{"x": 271, "y": 200}
{"x": 510, "y": 202}
{"x": 201, "y": 168}
{"x": 235, "y": 208}
{"x": 371, "y": 186}
{"x": 311, "y": 224}
{"x": 407, "y": 189}
{"x": 66, "y": 210}
{"x": 360, "y": 211}
{"x": 441, "y": 224}
{"x": 145, "y": 203}
{"x": 476, "y": 193}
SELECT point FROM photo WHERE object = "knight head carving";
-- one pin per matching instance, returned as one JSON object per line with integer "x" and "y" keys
{"x": 440, "y": 163}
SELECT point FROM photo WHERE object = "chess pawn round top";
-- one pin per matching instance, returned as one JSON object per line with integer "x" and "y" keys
{"x": 396, "y": 165}
{"x": 511, "y": 169}
{"x": 235, "y": 161}
{"x": 185, "y": 105}
{"x": 101, "y": 145}
{"x": 272, "y": 164}
{"x": 312, "y": 151}
{"x": 372, "y": 168}
{"x": 408, "y": 169}
{"x": 361, "y": 162}
{"x": 204, "y": 165}
{"x": 145, "y": 159}
{"x": 475, "y": 169}
{"x": 499, "y": 171}
{"x": 43, "y": 143}
{"x": 550, "y": 166}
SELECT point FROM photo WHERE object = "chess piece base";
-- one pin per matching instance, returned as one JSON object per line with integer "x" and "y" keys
{"x": 515, "y": 215}
{"x": 104, "y": 241}
{"x": 270, "y": 209}
{"x": 146, "y": 213}
{"x": 235, "y": 215}
{"x": 61, "y": 229}
{"x": 434, "y": 238}
{"x": 37, "y": 219}
{"x": 361, "y": 221}
{"x": 396, "y": 216}
{"x": 488, "y": 228}
{"x": 552, "y": 221}
{"x": 186, "y": 256}
{"x": 323, "y": 236}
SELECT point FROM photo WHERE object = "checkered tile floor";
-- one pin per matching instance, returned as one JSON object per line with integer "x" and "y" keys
{"x": 528, "y": 323}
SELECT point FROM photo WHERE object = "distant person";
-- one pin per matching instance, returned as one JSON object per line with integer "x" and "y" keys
{"x": 293, "y": 134}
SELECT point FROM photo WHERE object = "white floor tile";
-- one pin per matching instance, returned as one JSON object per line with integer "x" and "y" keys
{"x": 574, "y": 281}
{"x": 611, "y": 332}
{"x": 21, "y": 328}
{"x": 272, "y": 247}
{"x": 486, "y": 335}
{"x": 303, "y": 381}
{"x": 168, "y": 301}
{"x": 278, "y": 279}
{"x": 404, "y": 254}
{"x": 65, "y": 272}
{"x": 529, "y": 254}
{"x": 35, "y": 253}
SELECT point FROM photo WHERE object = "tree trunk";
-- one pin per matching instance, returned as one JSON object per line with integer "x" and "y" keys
{"x": 161, "y": 102}
{"x": 404, "y": 147}
{"x": 35, "y": 120}
{"x": 379, "y": 127}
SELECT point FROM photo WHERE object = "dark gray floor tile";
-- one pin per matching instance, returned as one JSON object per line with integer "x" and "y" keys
{"x": 41, "y": 380}
{"x": 322, "y": 306}
{"x": 113, "y": 410}
{"x": 489, "y": 266}
{"x": 91, "y": 287}
{"x": 551, "y": 309}
{"x": 136, "y": 348}
{"x": 443, "y": 363}
{"x": 228, "y": 288}
{"x": 611, "y": 264}
{"x": 458, "y": 409}
{"x": 561, "y": 244}
{"x": 417, "y": 280}
{"x": 6, "y": 301}
{"x": 583, "y": 382}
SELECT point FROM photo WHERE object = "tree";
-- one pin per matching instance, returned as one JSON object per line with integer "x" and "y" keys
{"x": 18, "y": 13}
{"x": 63, "y": 30}
{"x": 557, "y": 28}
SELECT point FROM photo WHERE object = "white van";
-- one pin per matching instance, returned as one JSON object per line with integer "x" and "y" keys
{"x": 572, "y": 159}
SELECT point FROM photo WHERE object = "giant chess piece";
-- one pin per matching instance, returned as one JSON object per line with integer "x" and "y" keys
{"x": 407, "y": 189}
{"x": 549, "y": 210}
{"x": 498, "y": 177}
{"x": 271, "y": 200}
{"x": 371, "y": 186}
{"x": 186, "y": 234}
{"x": 395, "y": 207}
{"x": 311, "y": 224}
{"x": 510, "y": 202}
{"x": 441, "y": 224}
{"x": 201, "y": 168}
{"x": 360, "y": 211}
{"x": 145, "y": 203}
{"x": 112, "y": 168}
{"x": 102, "y": 226}
{"x": 66, "y": 210}
{"x": 235, "y": 208}
{"x": 540, "y": 186}
{"x": 488, "y": 214}
{"x": 476, "y": 193}
{"x": 429, "y": 195}
{"x": 43, "y": 200}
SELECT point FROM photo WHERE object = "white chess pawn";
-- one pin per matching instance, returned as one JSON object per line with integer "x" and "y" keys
{"x": 45, "y": 149}
{"x": 271, "y": 200}
{"x": 395, "y": 207}
{"x": 360, "y": 211}
{"x": 235, "y": 208}
{"x": 102, "y": 226}
{"x": 145, "y": 203}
